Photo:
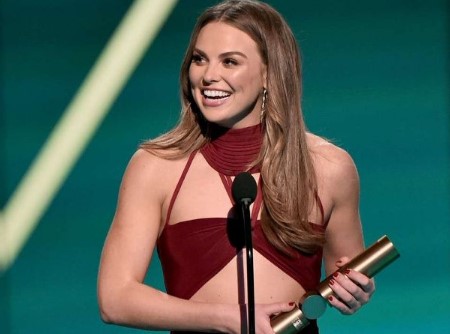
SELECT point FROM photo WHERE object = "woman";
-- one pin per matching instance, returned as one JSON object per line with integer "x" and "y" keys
{"x": 241, "y": 92}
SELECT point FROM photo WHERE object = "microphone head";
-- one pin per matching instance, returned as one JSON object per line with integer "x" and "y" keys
{"x": 244, "y": 188}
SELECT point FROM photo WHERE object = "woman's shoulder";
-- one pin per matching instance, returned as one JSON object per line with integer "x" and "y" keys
{"x": 331, "y": 161}
{"x": 158, "y": 158}
{"x": 326, "y": 149}
{"x": 153, "y": 169}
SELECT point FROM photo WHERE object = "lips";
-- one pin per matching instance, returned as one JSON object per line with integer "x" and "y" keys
{"x": 215, "y": 94}
{"x": 214, "y": 98}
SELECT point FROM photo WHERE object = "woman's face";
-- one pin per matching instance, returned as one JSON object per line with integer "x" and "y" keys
{"x": 227, "y": 76}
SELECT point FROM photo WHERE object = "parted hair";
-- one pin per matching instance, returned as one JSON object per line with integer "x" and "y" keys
{"x": 288, "y": 178}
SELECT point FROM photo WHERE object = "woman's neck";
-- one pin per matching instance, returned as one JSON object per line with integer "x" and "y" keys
{"x": 232, "y": 151}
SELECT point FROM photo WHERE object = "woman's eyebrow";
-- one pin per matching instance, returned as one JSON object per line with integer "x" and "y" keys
{"x": 232, "y": 53}
{"x": 222, "y": 55}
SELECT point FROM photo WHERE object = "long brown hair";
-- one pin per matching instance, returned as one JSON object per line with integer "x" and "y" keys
{"x": 287, "y": 171}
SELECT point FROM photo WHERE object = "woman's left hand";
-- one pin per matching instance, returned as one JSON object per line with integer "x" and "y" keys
{"x": 351, "y": 289}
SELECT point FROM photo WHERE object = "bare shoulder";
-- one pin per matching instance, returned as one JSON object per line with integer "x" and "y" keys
{"x": 334, "y": 166}
{"x": 149, "y": 171}
{"x": 152, "y": 163}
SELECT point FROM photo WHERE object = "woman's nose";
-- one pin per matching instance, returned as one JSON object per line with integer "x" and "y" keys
{"x": 212, "y": 74}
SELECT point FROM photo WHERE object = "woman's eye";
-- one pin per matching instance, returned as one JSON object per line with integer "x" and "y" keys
{"x": 196, "y": 58}
{"x": 230, "y": 62}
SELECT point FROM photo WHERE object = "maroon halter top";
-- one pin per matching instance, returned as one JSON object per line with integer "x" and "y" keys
{"x": 192, "y": 252}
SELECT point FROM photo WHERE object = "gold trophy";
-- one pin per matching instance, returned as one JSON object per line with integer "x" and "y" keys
{"x": 314, "y": 303}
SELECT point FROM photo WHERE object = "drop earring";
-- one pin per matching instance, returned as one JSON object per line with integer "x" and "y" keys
{"x": 264, "y": 101}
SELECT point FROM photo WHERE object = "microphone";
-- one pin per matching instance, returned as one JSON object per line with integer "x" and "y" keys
{"x": 371, "y": 261}
{"x": 244, "y": 190}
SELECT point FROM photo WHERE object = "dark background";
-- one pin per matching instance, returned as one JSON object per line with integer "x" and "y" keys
{"x": 376, "y": 82}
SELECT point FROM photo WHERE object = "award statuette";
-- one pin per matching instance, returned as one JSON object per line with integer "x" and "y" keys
{"x": 314, "y": 303}
{"x": 291, "y": 322}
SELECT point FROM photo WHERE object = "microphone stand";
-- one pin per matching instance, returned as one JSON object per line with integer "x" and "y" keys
{"x": 244, "y": 191}
{"x": 245, "y": 207}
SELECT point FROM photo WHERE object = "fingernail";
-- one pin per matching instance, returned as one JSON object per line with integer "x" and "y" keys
{"x": 347, "y": 271}
{"x": 291, "y": 304}
{"x": 330, "y": 298}
{"x": 336, "y": 274}
{"x": 331, "y": 282}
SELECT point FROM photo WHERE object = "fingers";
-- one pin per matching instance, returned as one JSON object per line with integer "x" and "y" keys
{"x": 342, "y": 261}
{"x": 351, "y": 290}
{"x": 273, "y": 309}
{"x": 365, "y": 283}
{"x": 342, "y": 306}
{"x": 264, "y": 312}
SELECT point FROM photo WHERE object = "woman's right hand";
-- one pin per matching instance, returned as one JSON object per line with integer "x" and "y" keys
{"x": 263, "y": 314}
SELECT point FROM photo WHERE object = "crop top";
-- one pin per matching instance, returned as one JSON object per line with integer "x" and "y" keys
{"x": 194, "y": 251}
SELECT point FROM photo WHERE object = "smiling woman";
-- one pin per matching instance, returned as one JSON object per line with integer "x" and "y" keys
{"x": 227, "y": 76}
{"x": 241, "y": 92}
{"x": 376, "y": 81}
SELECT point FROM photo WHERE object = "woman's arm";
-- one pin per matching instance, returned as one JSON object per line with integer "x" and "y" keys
{"x": 344, "y": 238}
{"x": 123, "y": 297}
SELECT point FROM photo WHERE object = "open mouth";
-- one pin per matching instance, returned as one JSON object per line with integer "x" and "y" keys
{"x": 215, "y": 94}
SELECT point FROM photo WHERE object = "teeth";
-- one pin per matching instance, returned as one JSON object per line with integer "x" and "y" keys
{"x": 215, "y": 93}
